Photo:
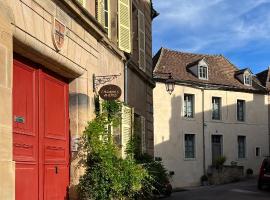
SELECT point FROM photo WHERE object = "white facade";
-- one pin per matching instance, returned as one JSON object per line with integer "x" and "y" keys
{"x": 170, "y": 127}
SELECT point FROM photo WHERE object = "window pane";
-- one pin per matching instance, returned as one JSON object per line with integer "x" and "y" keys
{"x": 189, "y": 146}
{"x": 216, "y": 108}
{"x": 188, "y": 105}
{"x": 241, "y": 146}
{"x": 240, "y": 110}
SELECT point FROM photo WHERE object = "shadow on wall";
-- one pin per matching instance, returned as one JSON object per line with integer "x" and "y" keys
{"x": 171, "y": 127}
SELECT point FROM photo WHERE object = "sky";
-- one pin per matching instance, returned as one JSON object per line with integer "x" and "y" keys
{"x": 237, "y": 29}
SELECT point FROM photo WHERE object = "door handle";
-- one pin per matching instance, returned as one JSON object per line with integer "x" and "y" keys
{"x": 56, "y": 169}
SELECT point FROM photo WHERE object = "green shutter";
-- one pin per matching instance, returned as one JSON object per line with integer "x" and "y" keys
{"x": 141, "y": 39}
{"x": 124, "y": 27}
{"x": 126, "y": 127}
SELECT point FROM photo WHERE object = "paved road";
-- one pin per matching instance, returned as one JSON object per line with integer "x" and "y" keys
{"x": 246, "y": 190}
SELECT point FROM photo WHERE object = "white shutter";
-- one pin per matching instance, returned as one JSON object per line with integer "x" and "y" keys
{"x": 82, "y": 2}
{"x": 141, "y": 39}
{"x": 124, "y": 21}
{"x": 100, "y": 12}
{"x": 143, "y": 136}
{"x": 126, "y": 127}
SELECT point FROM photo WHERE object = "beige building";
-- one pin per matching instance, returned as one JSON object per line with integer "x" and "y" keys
{"x": 49, "y": 52}
{"x": 215, "y": 110}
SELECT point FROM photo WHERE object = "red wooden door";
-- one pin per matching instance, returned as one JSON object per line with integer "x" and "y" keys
{"x": 54, "y": 131}
{"x": 40, "y": 134}
{"x": 25, "y": 131}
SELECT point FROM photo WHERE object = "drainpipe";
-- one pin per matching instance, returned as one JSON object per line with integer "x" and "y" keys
{"x": 126, "y": 80}
{"x": 203, "y": 128}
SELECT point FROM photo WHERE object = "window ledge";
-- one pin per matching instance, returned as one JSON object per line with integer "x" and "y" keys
{"x": 216, "y": 120}
{"x": 242, "y": 159}
{"x": 189, "y": 118}
{"x": 190, "y": 159}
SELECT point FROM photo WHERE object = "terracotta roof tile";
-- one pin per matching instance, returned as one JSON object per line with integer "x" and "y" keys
{"x": 220, "y": 70}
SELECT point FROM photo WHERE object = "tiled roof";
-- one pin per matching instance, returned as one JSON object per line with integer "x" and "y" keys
{"x": 220, "y": 70}
{"x": 264, "y": 78}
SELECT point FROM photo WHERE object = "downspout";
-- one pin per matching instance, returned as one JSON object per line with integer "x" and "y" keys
{"x": 126, "y": 80}
{"x": 203, "y": 129}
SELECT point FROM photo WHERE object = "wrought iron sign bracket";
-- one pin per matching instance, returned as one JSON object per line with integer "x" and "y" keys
{"x": 100, "y": 80}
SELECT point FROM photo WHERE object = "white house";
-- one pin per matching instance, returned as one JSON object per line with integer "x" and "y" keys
{"x": 215, "y": 109}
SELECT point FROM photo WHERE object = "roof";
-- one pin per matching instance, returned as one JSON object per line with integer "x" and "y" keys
{"x": 221, "y": 72}
{"x": 264, "y": 78}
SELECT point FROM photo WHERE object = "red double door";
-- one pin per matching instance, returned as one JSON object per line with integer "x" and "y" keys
{"x": 40, "y": 134}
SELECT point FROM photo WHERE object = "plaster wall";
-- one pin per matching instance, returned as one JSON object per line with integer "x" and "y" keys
{"x": 170, "y": 125}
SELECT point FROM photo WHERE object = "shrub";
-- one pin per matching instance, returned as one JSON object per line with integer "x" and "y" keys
{"x": 204, "y": 178}
{"x": 158, "y": 175}
{"x": 107, "y": 175}
{"x": 219, "y": 162}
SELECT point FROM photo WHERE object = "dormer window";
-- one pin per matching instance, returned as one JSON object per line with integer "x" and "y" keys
{"x": 247, "y": 79}
{"x": 203, "y": 72}
{"x": 245, "y": 76}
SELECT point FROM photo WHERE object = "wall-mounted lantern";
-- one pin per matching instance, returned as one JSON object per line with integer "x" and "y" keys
{"x": 169, "y": 81}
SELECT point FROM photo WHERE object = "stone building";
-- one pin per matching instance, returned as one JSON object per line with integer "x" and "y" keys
{"x": 215, "y": 110}
{"x": 50, "y": 50}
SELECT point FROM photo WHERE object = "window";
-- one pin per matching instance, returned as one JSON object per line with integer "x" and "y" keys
{"x": 240, "y": 110}
{"x": 189, "y": 105}
{"x": 241, "y": 147}
{"x": 139, "y": 129}
{"x": 216, "y": 108}
{"x": 189, "y": 146}
{"x": 203, "y": 72}
{"x": 103, "y": 14}
{"x": 247, "y": 79}
{"x": 258, "y": 152}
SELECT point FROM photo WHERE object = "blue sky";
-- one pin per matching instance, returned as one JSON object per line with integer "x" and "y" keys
{"x": 238, "y": 29}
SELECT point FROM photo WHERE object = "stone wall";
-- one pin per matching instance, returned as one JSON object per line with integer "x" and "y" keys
{"x": 225, "y": 174}
{"x": 26, "y": 28}
{"x": 7, "y": 166}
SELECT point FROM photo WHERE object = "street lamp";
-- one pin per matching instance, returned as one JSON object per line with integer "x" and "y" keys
{"x": 169, "y": 82}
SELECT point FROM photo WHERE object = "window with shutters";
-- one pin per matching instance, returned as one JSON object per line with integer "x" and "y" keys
{"x": 189, "y": 146}
{"x": 126, "y": 127}
{"x": 188, "y": 105}
{"x": 124, "y": 24}
{"x": 241, "y": 110}
{"x": 103, "y": 14}
{"x": 241, "y": 147}
{"x": 141, "y": 40}
{"x": 216, "y": 108}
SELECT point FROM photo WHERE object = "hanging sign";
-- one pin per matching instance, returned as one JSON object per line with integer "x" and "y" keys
{"x": 110, "y": 92}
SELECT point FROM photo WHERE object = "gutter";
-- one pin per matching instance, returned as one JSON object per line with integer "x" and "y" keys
{"x": 203, "y": 128}
{"x": 126, "y": 80}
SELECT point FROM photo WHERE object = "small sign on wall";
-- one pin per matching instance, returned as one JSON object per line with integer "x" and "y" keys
{"x": 74, "y": 144}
